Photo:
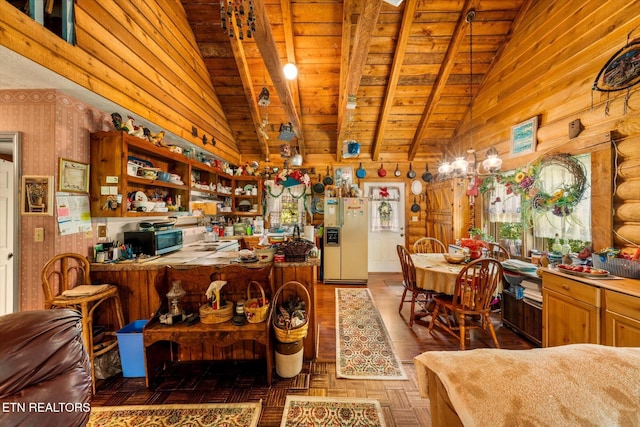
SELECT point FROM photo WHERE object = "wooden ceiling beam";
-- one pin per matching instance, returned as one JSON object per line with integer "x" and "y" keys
{"x": 245, "y": 77}
{"x": 369, "y": 12}
{"x": 287, "y": 23}
{"x": 269, "y": 52}
{"x": 394, "y": 76}
{"x": 442, "y": 77}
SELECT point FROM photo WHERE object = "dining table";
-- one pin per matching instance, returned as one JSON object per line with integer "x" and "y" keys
{"x": 435, "y": 273}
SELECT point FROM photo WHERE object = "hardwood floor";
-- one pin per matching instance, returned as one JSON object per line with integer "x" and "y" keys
{"x": 246, "y": 381}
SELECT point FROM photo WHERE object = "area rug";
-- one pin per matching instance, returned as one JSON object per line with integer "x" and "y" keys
{"x": 194, "y": 415}
{"x": 316, "y": 411}
{"x": 363, "y": 347}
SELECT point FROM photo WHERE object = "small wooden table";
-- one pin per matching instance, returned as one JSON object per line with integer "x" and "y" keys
{"x": 219, "y": 335}
{"x": 200, "y": 341}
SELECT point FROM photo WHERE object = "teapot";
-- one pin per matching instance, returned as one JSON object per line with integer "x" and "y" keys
{"x": 210, "y": 236}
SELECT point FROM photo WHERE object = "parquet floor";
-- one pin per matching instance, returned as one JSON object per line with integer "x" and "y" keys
{"x": 246, "y": 381}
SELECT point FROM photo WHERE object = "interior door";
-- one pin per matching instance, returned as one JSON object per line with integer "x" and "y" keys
{"x": 383, "y": 257}
{"x": 6, "y": 237}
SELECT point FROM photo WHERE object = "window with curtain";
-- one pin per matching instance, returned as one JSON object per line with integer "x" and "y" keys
{"x": 285, "y": 205}
{"x": 507, "y": 222}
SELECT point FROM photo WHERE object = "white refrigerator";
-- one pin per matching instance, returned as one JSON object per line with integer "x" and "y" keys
{"x": 346, "y": 226}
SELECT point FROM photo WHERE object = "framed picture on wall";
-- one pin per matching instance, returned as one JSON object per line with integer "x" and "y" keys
{"x": 37, "y": 195}
{"x": 74, "y": 176}
{"x": 524, "y": 137}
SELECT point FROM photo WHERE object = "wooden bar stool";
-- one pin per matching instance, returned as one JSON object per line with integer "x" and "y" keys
{"x": 66, "y": 284}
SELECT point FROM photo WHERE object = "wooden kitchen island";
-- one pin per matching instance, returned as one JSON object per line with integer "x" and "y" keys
{"x": 141, "y": 301}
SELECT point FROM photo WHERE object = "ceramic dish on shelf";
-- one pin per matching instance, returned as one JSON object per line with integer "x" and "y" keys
{"x": 140, "y": 197}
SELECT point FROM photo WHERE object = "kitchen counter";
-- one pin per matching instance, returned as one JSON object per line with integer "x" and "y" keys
{"x": 614, "y": 283}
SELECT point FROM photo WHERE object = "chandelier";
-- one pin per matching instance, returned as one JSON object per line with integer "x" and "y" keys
{"x": 463, "y": 166}
{"x": 241, "y": 13}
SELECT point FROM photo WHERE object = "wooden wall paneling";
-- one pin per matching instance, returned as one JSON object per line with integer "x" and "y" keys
{"x": 33, "y": 41}
{"x": 127, "y": 48}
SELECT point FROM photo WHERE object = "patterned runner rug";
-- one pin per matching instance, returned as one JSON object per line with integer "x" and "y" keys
{"x": 316, "y": 411}
{"x": 194, "y": 415}
{"x": 363, "y": 347}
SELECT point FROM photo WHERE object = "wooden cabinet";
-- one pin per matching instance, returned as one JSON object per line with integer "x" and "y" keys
{"x": 571, "y": 311}
{"x": 112, "y": 187}
{"x": 522, "y": 315}
{"x": 447, "y": 210}
{"x": 621, "y": 319}
{"x": 247, "y": 192}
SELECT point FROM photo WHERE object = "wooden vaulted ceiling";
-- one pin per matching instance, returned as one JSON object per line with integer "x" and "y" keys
{"x": 408, "y": 67}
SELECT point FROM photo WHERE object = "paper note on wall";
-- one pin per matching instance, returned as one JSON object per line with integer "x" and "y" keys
{"x": 73, "y": 213}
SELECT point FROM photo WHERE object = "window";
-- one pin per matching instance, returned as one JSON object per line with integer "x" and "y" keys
{"x": 55, "y": 15}
{"x": 285, "y": 206}
{"x": 506, "y": 222}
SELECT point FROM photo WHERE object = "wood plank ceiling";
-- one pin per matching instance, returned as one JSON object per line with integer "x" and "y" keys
{"x": 408, "y": 67}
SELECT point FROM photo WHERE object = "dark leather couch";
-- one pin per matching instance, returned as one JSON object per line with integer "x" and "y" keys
{"x": 45, "y": 376}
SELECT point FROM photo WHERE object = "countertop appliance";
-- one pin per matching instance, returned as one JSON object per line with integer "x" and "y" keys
{"x": 154, "y": 242}
{"x": 346, "y": 225}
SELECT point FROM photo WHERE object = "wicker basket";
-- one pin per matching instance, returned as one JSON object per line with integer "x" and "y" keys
{"x": 618, "y": 266}
{"x": 296, "y": 249}
{"x": 289, "y": 334}
{"x": 210, "y": 316}
{"x": 256, "y": 314}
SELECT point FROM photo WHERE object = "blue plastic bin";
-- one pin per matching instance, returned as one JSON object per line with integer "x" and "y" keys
{"x": 132, "y": 349}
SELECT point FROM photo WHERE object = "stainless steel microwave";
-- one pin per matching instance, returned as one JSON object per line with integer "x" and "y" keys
{"x": 154, "y": 242}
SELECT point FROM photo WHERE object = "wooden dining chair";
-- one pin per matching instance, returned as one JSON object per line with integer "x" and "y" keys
{"x": 411, "y": 293}
{"x": 475, "y": 285}
{"x": 428, "y": 245}
{"x": 498, "y": 251}
{"x": 67, "y": 271}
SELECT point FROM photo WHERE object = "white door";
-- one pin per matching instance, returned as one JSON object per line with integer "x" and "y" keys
{"x": 6, "y": 237}
{"x": 383, "y": 256}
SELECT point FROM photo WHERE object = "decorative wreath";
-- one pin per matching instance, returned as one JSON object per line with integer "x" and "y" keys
{"x": 385, "y": 211}
{"x": 526, "y": 182}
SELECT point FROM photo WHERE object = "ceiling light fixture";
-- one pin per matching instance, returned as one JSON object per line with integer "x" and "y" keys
{"x": 468, "y": 167}
{"x": 395, "y": 3}
{"x": 290, "y": 71}
{"x": 296, "y": 159}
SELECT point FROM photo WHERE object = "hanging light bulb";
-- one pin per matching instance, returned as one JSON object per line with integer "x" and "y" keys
{"x": 290, "y": 71}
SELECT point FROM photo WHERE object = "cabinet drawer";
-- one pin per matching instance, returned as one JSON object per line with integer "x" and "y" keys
{"x": 571, "y": 288}
{"x": 625, "y": 305}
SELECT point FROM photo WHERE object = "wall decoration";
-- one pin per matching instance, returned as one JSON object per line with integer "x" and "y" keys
{"x": 37, "y": 195}
{"x": 523, "y": 137}
{"x": 74, "y": 176}
{"x": 343, "y": 176}
{"x": 620, "y": 72}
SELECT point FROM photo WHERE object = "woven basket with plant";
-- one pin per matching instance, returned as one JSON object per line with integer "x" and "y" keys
{"x": 256, "y": 309}
{"x": 290, "y": 320}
